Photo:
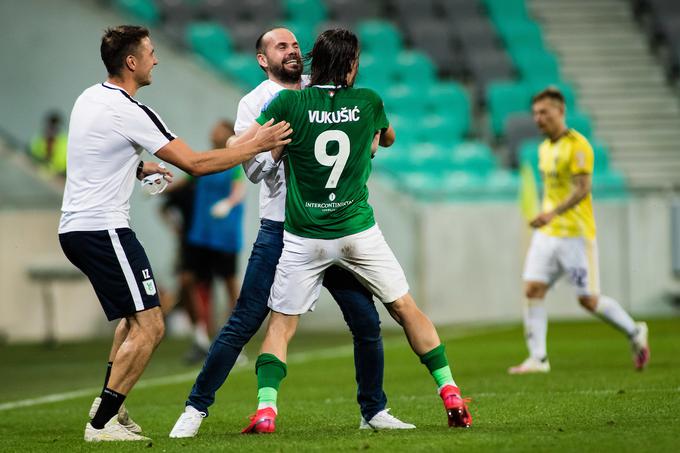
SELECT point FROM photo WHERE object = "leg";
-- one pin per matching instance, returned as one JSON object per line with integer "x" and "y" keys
{"x": 358, "y": 309}
{"x": 231, "y": 283}
{"x": 146, "y": 330}
{"x": 248, "y": 315}
{"x": 271, "y": 369}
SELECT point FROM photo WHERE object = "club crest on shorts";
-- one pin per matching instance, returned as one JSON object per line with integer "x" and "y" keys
{"x": 149, "y": 287}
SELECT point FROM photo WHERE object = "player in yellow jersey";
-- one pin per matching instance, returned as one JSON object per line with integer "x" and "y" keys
{"x": 564, "y": 240}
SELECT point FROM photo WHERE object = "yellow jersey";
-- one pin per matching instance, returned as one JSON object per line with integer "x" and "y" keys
{"x": 559, "y": 162}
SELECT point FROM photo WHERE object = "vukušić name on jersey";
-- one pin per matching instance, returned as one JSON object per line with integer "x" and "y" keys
{"x": 327, "y": 193}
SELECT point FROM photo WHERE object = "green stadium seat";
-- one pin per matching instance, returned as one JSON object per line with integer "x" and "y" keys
{"x": 537, "y": 66}
{"x": 434, "y": 128}
{"x": 239, "y": 67}
{"x": 581, "y": 123}
{"x": 474, "y": 157}
{"x": 144, "y": 10}
{"x": 450, "y": 99}
{"x": 304, "y": 32}
{"x": 380, "y": 38}
{"x": 505, "y": 98}
{"x": 415, "y": 68}
{"x": 406, "y": 100}
{"x": 209, "y": 40}
{"x": 309, "y": 12}
{"x": 407, "y": 135}
{"x": 374, "y": 73}
{"x": 520, "y": 34}
{"x": 528, "y": 153}
{"x": 501, "y": 184}
{"x": 601, "y": 154}
{"x": 609, "y": 184}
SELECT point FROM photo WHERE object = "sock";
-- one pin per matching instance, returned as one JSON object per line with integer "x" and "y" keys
{"x": 438, "y": 366}
{"x": 111, "y": 402}
{"x": 536, "y": 328}
{"x": 106, "y": 378}
{"x": 270, "y": 372}
{"x": 612, "y": 312}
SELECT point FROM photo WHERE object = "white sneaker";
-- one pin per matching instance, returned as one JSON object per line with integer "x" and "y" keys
{"x": 531, "y": 365}
{"x": 112, "y": 431}
{"x": 188, "y": 423}
{"x": 384, "y": 420}
{"x": 640, "y": 346}
{"x": 123, "y": 416}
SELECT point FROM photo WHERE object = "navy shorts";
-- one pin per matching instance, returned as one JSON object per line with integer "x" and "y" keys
{"x": 117, "y": 266}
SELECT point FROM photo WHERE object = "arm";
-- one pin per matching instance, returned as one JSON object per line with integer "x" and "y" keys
{"x": 582, "y": 186}
{"x": 387, "y": 137}
{"x": 223, "y": 207}
{"x": 268, "y": 136}
{"x": 257, "y": 168}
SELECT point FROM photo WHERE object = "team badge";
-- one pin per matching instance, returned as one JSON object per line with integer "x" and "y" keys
{"x": 149, "y": 287}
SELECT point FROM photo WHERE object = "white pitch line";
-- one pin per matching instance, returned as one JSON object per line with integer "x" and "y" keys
{"x": 300, "y": 357}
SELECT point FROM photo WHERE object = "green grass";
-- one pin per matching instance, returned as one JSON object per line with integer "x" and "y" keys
{"x": 591, "y": 401}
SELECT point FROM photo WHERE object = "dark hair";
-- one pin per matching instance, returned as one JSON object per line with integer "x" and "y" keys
{"x": 551, "y": 93}
{"x": 332, "y": 57}
{"x": 118, "y": 43}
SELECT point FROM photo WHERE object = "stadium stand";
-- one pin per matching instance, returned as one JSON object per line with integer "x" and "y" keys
{"x": 458, "y": 70}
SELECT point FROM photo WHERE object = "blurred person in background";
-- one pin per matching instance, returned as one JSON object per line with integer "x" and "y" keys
{"x": 108, "y": 130}
{"x": 215, "y": 238}
{"x": 564, "y": 240}
{"x": 49, "y": 146}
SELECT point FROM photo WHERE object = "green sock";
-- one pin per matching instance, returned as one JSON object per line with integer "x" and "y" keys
{"x": 438, "y": 366}
{"x": 270, "y": 372}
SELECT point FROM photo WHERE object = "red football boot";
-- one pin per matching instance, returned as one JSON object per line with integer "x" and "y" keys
{"x": 456, "y": 409}
{"x": 262, "y": 422}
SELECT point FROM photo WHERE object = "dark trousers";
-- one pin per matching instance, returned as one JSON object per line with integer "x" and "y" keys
{"x": 251, "y": 309}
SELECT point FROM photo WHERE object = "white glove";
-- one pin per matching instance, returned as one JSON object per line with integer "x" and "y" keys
{"x": 221, "y": 209}
{"x": 155, "y": 183}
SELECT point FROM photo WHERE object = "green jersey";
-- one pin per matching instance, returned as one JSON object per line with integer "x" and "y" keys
{"x": 329, "y": 158}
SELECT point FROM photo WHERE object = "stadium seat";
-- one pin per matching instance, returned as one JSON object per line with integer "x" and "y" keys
{"x": 460, "y": 11}
{"x": 581, "y": 123}
{"x": 144, "y": 10}
{"x": 601, "y": 154}
{"x": 519, "y": 127}
{"x": 519, "y": 35}
{"x": 501, "y": 184}
{"x": 503, "y": 10}
{"x": 380, "y": 38}
{"x": 609, "y": 184}
{"x": 405, "y": 10}
{"x": 226, "y": 12}
{"x": 304, "y": 32}
{"x": 566, "y": 89}
{"x": 413, "y": 67}
{"x": 504, "y": 98}
{"x": 528, "y": 153}
{"x": 537, "y": 66}
{"x": 308, "y": 12}
{"x": 443, "y": 129}
{"x": 209, "y": 40}
{"x": 450, "y": 99}
{"x": 406, "y": 100}
{"x": 475, "y": 157}
{"x": 239, "y": 67}
{"x": 351, "y": 11}
{"x": 373, "y": 73}
{"x": 486, "y": 67}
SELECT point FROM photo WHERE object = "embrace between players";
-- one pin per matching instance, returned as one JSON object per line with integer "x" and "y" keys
{"x": 309, "y": 142}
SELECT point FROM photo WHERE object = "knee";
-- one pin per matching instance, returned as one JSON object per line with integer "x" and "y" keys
{"x": 366, "y": 330}
{"x": 588, "y": 302}
{"x": 402, "y": 308}
{"x": 535, "y": 290}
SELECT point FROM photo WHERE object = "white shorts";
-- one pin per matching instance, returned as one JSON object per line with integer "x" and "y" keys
{"x": 549, "y": 257}
{"x": 300, "y": 271}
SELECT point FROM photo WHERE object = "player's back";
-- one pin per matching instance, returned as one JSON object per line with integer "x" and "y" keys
{"x": 329, "y": 158}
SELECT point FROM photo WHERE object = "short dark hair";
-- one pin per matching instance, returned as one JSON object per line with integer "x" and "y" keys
{"x": 551, "y": 93}
{"x": 119, "y": 42}
{"x": 332, "y": 56}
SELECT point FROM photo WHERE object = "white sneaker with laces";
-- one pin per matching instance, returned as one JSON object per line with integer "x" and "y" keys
{"x": 123, "y": 416}
{"x": 384, "y": 420}
{"x": 112, "y": 431}
{"x": 188, "y": 423}
{"x": 531, "y": 365}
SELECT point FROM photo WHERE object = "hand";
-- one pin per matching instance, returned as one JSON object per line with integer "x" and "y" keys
{"x": 270, "y": 136}
{"x": 277, "y": 153}
{"x": 151, "y": 168}
{"x": 221, "y": 209}
{"x": 374, "y": 144}
{"x": 542, "y": 219}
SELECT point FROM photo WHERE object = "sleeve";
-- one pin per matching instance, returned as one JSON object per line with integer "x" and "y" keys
{"x": 381, "y": 121}
{"x": 582, "y": 158}
{"x": 143, "y": 126}
{"x": 245, "y": 115}
{"x": 275, "y": 108}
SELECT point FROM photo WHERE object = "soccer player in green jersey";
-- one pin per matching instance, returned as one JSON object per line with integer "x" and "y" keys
{"x": 329, "y": 221}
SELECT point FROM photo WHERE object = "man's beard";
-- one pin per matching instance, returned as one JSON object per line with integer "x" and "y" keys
{"x": 287, "y": 75}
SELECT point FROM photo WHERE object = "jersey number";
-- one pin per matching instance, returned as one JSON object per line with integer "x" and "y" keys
{"x": 338, "y": 161}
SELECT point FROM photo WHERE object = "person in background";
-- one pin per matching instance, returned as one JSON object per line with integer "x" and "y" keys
{"x": 49, "y": 146}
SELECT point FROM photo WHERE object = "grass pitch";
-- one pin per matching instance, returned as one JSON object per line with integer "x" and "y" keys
{"x": 593, "y": 400}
